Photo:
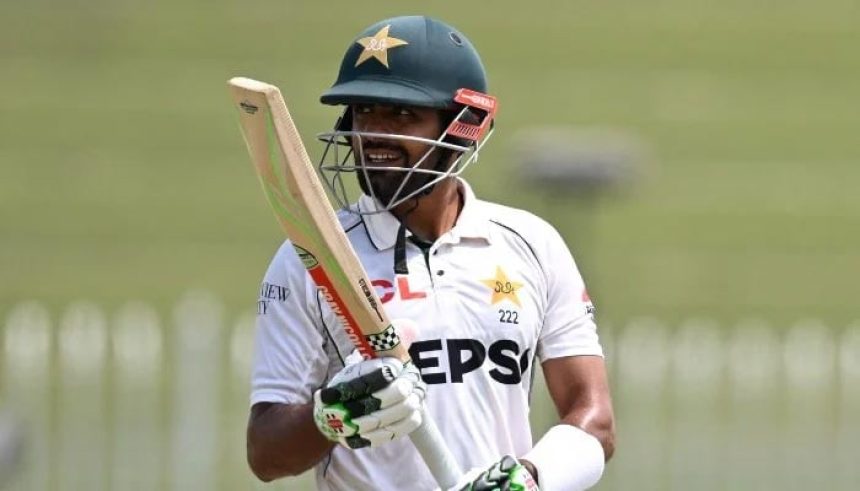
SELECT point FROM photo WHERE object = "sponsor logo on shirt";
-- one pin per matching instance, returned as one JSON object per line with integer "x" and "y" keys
{"x": 504, "y": 360}
{"x": 589, "y": 307}
{"x": 270, "y": 292}
{"x": 387, "y": 291}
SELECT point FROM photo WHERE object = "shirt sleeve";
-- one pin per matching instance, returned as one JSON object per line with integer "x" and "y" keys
{"x": 290, "y": 361}
{"x": 569, "y": 328}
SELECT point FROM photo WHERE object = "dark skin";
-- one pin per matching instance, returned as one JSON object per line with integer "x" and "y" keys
{"x": 579, "y": 389}
{"x": 282, "y": 440}
{"x": 433, "y": 214}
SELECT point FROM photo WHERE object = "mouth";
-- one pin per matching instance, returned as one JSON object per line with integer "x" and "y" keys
{"x": 384, "y": 157}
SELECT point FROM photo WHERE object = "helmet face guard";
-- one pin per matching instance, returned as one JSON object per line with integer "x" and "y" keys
{"x": 407, "y": 61}
{"x": 464, "y": 136}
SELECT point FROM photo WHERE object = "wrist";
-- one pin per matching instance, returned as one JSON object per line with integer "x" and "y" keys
{"x": 567, "y": 458}
{"x": 531, "y": 468}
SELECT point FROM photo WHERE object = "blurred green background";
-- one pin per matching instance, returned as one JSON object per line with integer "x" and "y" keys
{"x": 123, "y": 174}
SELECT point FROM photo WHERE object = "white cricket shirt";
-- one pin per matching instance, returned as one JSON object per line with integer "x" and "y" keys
{"x": 493, "y": 295}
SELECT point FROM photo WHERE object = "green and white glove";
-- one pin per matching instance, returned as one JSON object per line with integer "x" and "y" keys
{"x": 370, "y": 403}
{"x": 505, "y": 475}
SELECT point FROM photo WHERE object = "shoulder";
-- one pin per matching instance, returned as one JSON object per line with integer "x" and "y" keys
{"x": 284, "y": 263}
{"x": 286, "y": 254}
{"x": 286, "y": 259}
{"x": 507, "y": 220}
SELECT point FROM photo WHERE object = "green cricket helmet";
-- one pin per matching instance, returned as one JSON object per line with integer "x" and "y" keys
{"x": 408, "y": 61}
{"x": 412, "y": 60}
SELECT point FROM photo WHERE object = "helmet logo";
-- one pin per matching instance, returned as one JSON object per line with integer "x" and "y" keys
{"x": 377, "y": 46}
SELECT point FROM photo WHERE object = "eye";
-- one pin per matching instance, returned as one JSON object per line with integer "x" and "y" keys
{"x": 362, "y": 108}
{"x": 404, "y": 112}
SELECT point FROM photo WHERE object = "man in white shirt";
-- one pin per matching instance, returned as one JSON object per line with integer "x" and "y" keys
{"x": 481, "y": 291}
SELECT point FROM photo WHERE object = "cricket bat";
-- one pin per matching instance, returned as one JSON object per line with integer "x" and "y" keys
{"x": 299, "y": 201}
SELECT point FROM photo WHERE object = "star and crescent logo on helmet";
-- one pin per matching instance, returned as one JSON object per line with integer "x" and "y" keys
{"x": 377, "y": 46}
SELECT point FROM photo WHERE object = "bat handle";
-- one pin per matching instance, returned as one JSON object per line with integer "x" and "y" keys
{"x": 439, "y": 459}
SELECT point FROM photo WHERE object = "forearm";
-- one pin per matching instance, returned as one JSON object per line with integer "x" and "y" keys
{"x": 580, "y": 389}
{"x": 572, "y": 454}
{"x": 283, "y": 440}
{"x": 597, "y": 420}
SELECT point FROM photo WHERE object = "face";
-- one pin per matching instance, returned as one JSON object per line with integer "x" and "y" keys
{"x": 385, "y": 152}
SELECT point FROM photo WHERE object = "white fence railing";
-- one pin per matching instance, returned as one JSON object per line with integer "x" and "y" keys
{"x": 135, "y": 400}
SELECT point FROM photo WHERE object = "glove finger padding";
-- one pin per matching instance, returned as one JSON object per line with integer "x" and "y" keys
{"x": 394, "y": 394}
{"x": 387, "y": 416}
{"x": 354, "y": 384}
{"x": 399, "y": 390}
{"x": 370, "y": 403}
{"x": 387, "y": 433}
{"x": 505, "y": 475}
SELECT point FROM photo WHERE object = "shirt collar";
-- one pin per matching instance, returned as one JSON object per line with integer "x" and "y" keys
{"x": 472, "y": 223}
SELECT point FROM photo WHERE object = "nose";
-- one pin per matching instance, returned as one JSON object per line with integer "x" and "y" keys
{"x": 373, "y": 119}
{"x": 375, "y": 123}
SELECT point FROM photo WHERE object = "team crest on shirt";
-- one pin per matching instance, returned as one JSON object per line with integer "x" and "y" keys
{"x": 503, "y": 288}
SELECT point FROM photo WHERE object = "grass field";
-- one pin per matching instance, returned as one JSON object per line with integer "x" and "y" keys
{"x": 123, "y": 175}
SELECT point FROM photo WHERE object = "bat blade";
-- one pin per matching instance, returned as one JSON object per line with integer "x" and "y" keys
{"x": 301, "y": 206}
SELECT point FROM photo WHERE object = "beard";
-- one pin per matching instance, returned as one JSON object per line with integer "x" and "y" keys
{"x": 384, "y": 184}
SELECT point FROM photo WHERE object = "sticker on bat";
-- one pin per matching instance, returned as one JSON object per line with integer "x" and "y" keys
{"x": 370, "y": 298}
{"x": 384, "y": 341}
{"x": 308, "y": 259}
{"x": 248, "y": 107}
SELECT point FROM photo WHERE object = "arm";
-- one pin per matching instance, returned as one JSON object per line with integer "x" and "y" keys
{"x": 289, "y": 364}
{"x": 282, "y": 440}
{"x": 573, "y": 457}
{"x": 579, "y": 388}
{"x": 572, "y": 454}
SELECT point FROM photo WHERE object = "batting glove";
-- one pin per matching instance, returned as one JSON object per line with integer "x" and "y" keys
{"x": 370, "y": 403}
{"x": 505, "y": 475}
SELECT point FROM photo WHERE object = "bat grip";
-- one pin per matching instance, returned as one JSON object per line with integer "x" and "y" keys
{"x": 435, "y": 453}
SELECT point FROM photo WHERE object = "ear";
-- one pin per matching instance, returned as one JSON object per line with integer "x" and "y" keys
{"x": 344, "y": 122}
